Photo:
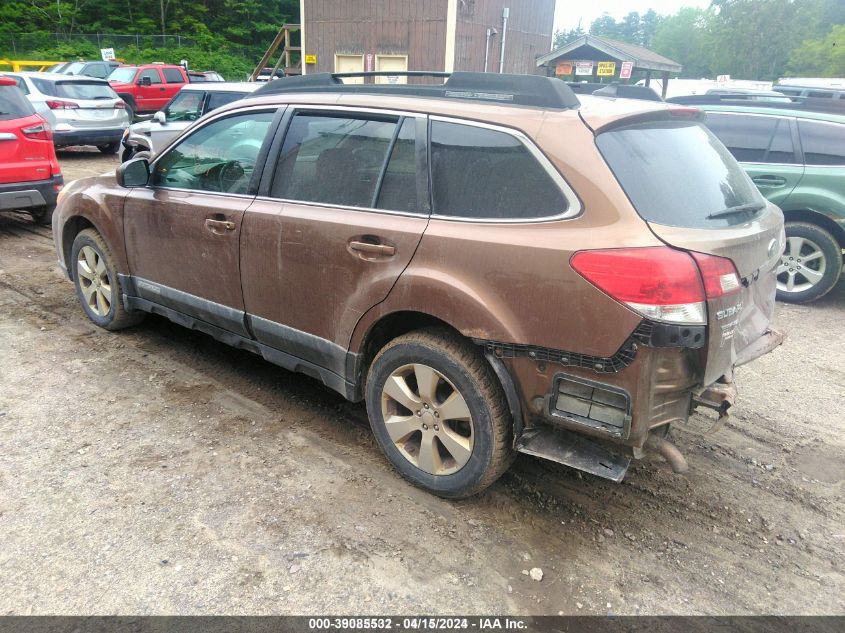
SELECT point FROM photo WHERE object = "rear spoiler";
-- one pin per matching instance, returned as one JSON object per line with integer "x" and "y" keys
{"x": 670, "y": 113}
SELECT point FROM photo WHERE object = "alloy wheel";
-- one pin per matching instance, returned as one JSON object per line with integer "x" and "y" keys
{"x": 94, "y": 281}
{"x": 802, "y": 265}
{"x": 427, "y": 419}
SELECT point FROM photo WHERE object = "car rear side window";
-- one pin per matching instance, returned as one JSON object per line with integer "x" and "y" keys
{"x": 481, "y": 173}
{"x": 217, "y": 99}
{"x": 679, "y": 174}
{"x": 173, "y": 75}
{"x": 333, "y": 159}
{"x": 823, "y": 143}
{"x": 754, "y": 139}
{"x": 13, "y": 104}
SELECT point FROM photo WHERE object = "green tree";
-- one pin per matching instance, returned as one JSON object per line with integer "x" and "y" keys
{"x": 821, "y": 57}
{"x": 684, "y": 37}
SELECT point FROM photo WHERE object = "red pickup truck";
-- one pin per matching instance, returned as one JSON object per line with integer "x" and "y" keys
{"x": 148, "y": 87}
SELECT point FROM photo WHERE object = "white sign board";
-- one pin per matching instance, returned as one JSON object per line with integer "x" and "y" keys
{"x": 107, "y": 54}
{"x": 583, "y": 68}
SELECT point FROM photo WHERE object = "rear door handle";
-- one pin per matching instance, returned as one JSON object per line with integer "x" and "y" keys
{"x": 769, "y": 181}
{"x": 373, "y": 249}
{"x": 218, "y": 226}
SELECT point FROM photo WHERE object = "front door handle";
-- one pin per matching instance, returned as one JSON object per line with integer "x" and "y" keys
{"x": 219, "y": 226}
{"x": 373, "y": 249}
{"x": 769, "y": 181}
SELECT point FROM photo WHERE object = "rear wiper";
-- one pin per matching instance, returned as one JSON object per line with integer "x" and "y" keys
{"x": 742, "y": 208}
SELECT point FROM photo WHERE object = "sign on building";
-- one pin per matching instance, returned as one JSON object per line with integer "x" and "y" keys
{"x": 626, "y": 70}
{"x": 583, "y": 68}
{"x": 310, "y": 59}
{"x": 606, "y": 69}
{"x": 107, "y": 54}
{"x": 563, "y": 68}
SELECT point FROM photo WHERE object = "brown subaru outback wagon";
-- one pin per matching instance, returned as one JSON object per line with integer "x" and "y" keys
{"x": 491, "y": 264}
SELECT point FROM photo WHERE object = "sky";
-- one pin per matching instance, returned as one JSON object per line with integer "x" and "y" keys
{"x": 568, "y": 12}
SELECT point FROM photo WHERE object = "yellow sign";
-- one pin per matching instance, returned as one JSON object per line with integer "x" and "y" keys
{"x": 310, "y": 59}
{"x": 563, "y": 68}
{"x": 606, "y": 69}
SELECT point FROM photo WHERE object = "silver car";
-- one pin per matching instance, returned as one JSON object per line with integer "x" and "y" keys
{"x": 189, "y": 104}
{"x": 81, "y": 110}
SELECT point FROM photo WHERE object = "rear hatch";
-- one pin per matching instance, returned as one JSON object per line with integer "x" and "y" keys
{"x": 86, "y": 104}
{"x": 694, "y": 196}
{"x": 26, "y": 150}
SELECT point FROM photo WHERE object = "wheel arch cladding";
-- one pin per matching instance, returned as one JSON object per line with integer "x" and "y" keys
{"x": 821, "y": 220}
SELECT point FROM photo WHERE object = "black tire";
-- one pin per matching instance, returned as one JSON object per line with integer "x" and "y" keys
{"x": 116, "y": 317}
{"x": 109, "y": 148}
{"x": 462, "y": 365}
{"x": 43, "y": 215}
{"x": 816, "y": 238}
{"x": 127, "y": 154}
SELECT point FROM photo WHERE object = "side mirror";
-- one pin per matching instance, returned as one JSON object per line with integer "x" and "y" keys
{"x": 145, "y": 81}
{"x": 133, "y": 173}
{"x": 160, "y": 117}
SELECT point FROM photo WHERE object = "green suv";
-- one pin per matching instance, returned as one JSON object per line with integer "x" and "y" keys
{"x": 796, "y": 157}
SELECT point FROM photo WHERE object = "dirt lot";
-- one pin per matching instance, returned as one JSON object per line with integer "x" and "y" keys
{"x": 158, "y": 471}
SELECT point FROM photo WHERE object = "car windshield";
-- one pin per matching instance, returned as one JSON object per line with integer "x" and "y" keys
{"x": 125, "y": 75}
{"x": 93, "y": 90}
{"x": 13, "y": 105}
{"x": 74, "y": 68}
{"x": 680, "y": 174}
{"x": 185, "y": 106}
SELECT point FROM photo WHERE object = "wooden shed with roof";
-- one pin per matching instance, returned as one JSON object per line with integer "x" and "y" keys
{"x": 590, "y": 57}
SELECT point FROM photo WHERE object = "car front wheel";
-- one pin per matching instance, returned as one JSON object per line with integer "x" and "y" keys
{"x": 810, "y": 265}
{"x": 439, "y": 414}
{"x": 97, "y": 283}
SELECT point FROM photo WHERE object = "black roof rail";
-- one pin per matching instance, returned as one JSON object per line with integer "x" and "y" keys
{"x": 806, "y": 104}
{"x": 525, "y": 90}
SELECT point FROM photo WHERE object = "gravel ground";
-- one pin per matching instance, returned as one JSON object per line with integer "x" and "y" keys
{"x": 157, "y": 471}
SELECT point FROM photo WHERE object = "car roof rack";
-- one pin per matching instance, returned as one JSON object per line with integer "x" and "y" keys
{"x": 805, "y": 104}
{"x": 503, "y": 89}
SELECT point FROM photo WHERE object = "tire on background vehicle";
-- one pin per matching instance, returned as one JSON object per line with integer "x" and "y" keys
{"x": 465, "y": 371}
{"x": 43, "y": 215}
{"x": 116, "y": 317}
{"x": 109, "y": 148}
{"x": 818, "y": 238}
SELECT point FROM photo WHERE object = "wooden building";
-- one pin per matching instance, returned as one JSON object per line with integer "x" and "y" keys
{"x": 438, "y": 35}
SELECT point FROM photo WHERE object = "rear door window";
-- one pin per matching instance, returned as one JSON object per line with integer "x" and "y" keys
{"x": 173, "y": 76}
{"x": 679, "y": 174}
{"x": 334, "y": 159}
{"x": 754, "y": 139}
{"x": 483, "y": 173}
{"x": 13, "y": 104}
{"x": 823, "y": 143}
{"x": 217, "y": 99}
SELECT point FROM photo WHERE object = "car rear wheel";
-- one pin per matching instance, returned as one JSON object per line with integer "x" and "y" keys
{"x": 439, "y": 414}
{"x": 109, "y": 148}
{"x": 810, "y": 265}
{"x": 97, "y": 283}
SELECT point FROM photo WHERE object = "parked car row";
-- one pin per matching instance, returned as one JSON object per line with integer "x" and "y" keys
{"x": 488, "y": 278}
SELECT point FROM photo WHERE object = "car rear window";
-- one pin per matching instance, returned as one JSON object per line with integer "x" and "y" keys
{"x": 679, "y": 173}
{"x": 79, "y": 89}
{"x": 13, "y": 105}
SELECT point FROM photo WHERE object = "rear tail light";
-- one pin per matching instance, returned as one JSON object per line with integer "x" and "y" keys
{"x": 55, "y": 104}
{"x": 719, "y": 275}
{"x": 120, "y": 105}
{"x": 660, "y": 283}
{"x": 40, "y": 132}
